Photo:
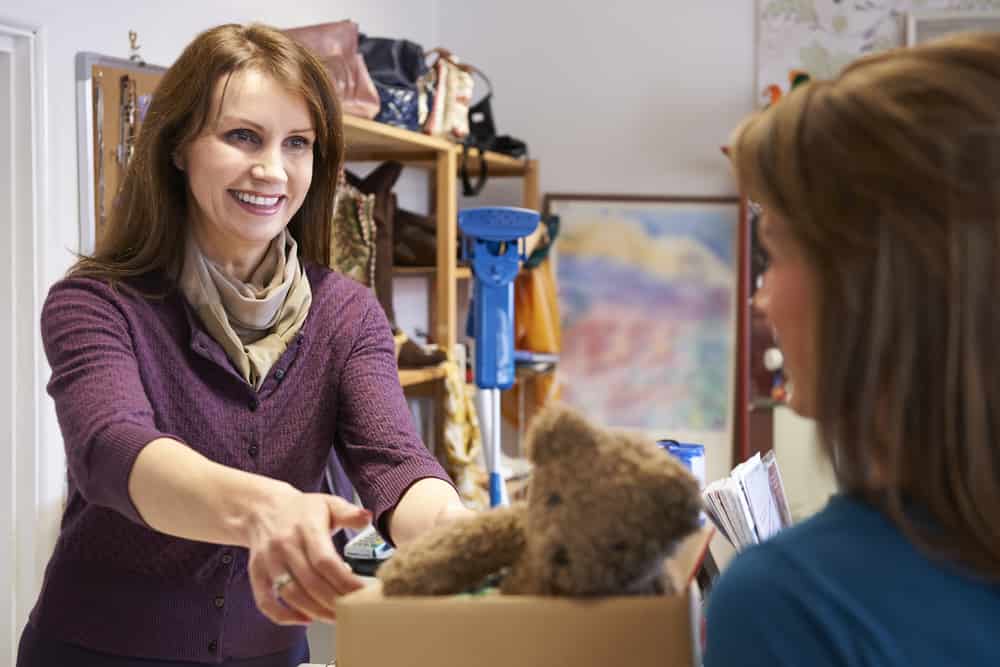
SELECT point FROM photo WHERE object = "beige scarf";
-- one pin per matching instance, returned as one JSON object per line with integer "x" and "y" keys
{"x": 252, "y": 321}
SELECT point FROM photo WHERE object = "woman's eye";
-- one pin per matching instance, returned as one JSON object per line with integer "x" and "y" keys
{"x": 243, "y": 135}
{"x": 760, "y": 259}
{"x": 298, "y": 143}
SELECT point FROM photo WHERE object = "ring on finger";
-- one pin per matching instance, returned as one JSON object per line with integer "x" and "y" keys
{"x": 280, "y": 582}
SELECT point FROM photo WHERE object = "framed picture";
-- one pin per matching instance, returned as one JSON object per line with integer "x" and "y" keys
{"x": 821, "y": 37}
{"x": 648, "y": 297}
{"x": 924, "y": 26}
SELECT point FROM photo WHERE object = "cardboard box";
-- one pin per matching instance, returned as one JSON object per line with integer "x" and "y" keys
{"x": 525, "y": 631}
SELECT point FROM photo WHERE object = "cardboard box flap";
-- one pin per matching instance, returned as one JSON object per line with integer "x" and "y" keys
{"x": 496, "y": 630}
{"x": 683, "y": 565}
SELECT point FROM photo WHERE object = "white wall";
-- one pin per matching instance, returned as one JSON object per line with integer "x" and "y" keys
{"x": 164, "y": 29}
{"x": 806, "y": 471}
{"x": 627, "y": 97}
{"x": 622, "y": 97}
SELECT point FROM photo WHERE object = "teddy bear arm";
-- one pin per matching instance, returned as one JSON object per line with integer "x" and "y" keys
{"x": 456, "y": 557}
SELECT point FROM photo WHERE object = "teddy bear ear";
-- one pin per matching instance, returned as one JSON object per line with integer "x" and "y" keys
{"x": 559, "y": 430}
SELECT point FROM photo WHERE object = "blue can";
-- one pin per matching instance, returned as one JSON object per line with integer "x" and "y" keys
{"x": 692, "y": 455}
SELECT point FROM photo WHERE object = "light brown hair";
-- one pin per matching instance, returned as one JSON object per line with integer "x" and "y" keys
{"x": 888, "y": 179}
{"x": 147, "y": 224}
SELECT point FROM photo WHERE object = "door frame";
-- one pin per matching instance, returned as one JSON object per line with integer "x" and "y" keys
{"x": 22, "y": 233}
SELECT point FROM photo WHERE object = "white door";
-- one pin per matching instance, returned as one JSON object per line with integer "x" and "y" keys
{"x": 7, "y": 337}
{"x": 21, "y": 142}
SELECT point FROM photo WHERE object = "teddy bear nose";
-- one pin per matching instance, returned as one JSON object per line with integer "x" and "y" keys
{"x": 560, "y": 557}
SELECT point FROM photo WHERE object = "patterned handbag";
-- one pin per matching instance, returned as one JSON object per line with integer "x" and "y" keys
{"x": 448, "y": 85}
{"x": 352, "y": 249}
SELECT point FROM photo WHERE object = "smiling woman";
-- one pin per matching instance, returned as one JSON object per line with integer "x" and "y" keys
{"x": 248, "y": 172}
{"x": 205, "y": 363}
{"x": 224, "y": 93}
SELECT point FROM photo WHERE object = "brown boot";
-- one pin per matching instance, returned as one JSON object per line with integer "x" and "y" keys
{"x": 380, "y": 183}
{"x": 415, "y": 239}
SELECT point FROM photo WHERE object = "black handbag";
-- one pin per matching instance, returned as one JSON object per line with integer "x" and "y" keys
{"x": 483, "y": 137}
{"x": 395, "y": 65}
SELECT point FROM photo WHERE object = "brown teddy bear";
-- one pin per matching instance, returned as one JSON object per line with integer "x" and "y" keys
{"x": 604, "y": 511}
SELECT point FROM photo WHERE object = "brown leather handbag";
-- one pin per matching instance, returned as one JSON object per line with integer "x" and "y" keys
{"x": 336, "y": 45}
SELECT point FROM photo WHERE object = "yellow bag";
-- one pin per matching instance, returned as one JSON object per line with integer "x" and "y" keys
{"x": 463, "y": 441}
{"x": 538, "y": 329}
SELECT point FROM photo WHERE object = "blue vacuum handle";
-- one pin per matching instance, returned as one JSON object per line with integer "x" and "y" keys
{"x": 493, "y": 324}
{"x": 493, "y": 240}
{"x": 497, "y": 495}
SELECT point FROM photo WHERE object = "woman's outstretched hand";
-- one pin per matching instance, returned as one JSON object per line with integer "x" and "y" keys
{"x": 295, "y": 571}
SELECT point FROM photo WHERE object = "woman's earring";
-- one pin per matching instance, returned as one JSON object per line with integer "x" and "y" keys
{"x": 178, "y": 162}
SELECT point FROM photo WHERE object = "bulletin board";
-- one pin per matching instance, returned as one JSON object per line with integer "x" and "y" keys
{"x": 113, "y": 95}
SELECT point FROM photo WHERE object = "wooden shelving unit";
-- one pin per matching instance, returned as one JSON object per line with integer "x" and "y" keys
{"x": 409, "y": 377}
{"x": 367, "y": 141}
{"x": 461, "y": 272}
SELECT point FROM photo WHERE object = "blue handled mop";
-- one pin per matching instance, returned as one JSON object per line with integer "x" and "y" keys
{"x": 494, "y": 242}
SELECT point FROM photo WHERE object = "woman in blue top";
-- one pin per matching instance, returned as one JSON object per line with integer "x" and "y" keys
{"x": 880, "y": 193}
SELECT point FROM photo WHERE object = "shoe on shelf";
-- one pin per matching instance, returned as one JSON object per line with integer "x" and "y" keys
{"x": 411, "y": 354}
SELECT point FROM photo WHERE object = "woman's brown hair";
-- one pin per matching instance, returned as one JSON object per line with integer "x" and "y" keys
{"x": 146, "y": 228}
{"x": 888, "y": 178}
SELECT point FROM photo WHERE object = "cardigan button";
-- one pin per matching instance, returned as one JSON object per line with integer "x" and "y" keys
{"x": 213, "y": 646}
{"x": 220, "y": 602}
{"x": 278, "y": 374}
{"x": 253, "y": 404}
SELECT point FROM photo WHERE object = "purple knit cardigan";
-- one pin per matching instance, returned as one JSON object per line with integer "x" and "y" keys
{"x": 127, "y": 369}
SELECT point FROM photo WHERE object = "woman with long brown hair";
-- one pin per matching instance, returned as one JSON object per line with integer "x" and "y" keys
{"x": 881, "y": 198}
{"x": 204, "y": 362}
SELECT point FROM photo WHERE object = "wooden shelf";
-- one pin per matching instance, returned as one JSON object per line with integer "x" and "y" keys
{"x": 461, "y": 272}
{"x": 367, "y": 140}
{"x": 764, "y": 403}
{"x": 498, "y": 164}
{"x": 414, "y": 376}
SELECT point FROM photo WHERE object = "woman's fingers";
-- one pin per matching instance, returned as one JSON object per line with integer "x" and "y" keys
{"x": 265, "y": 595}
{"x": 328, "y": 564}
{"x": 297, "y": 575}
{"x": 345, "y": 514}
{"x": 322, "y": 554}
{"x": 311, "y": 591}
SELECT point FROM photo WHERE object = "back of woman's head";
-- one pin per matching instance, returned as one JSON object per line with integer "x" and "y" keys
{"x": 147, "y": 223}
{"x": 888, "y": 180}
